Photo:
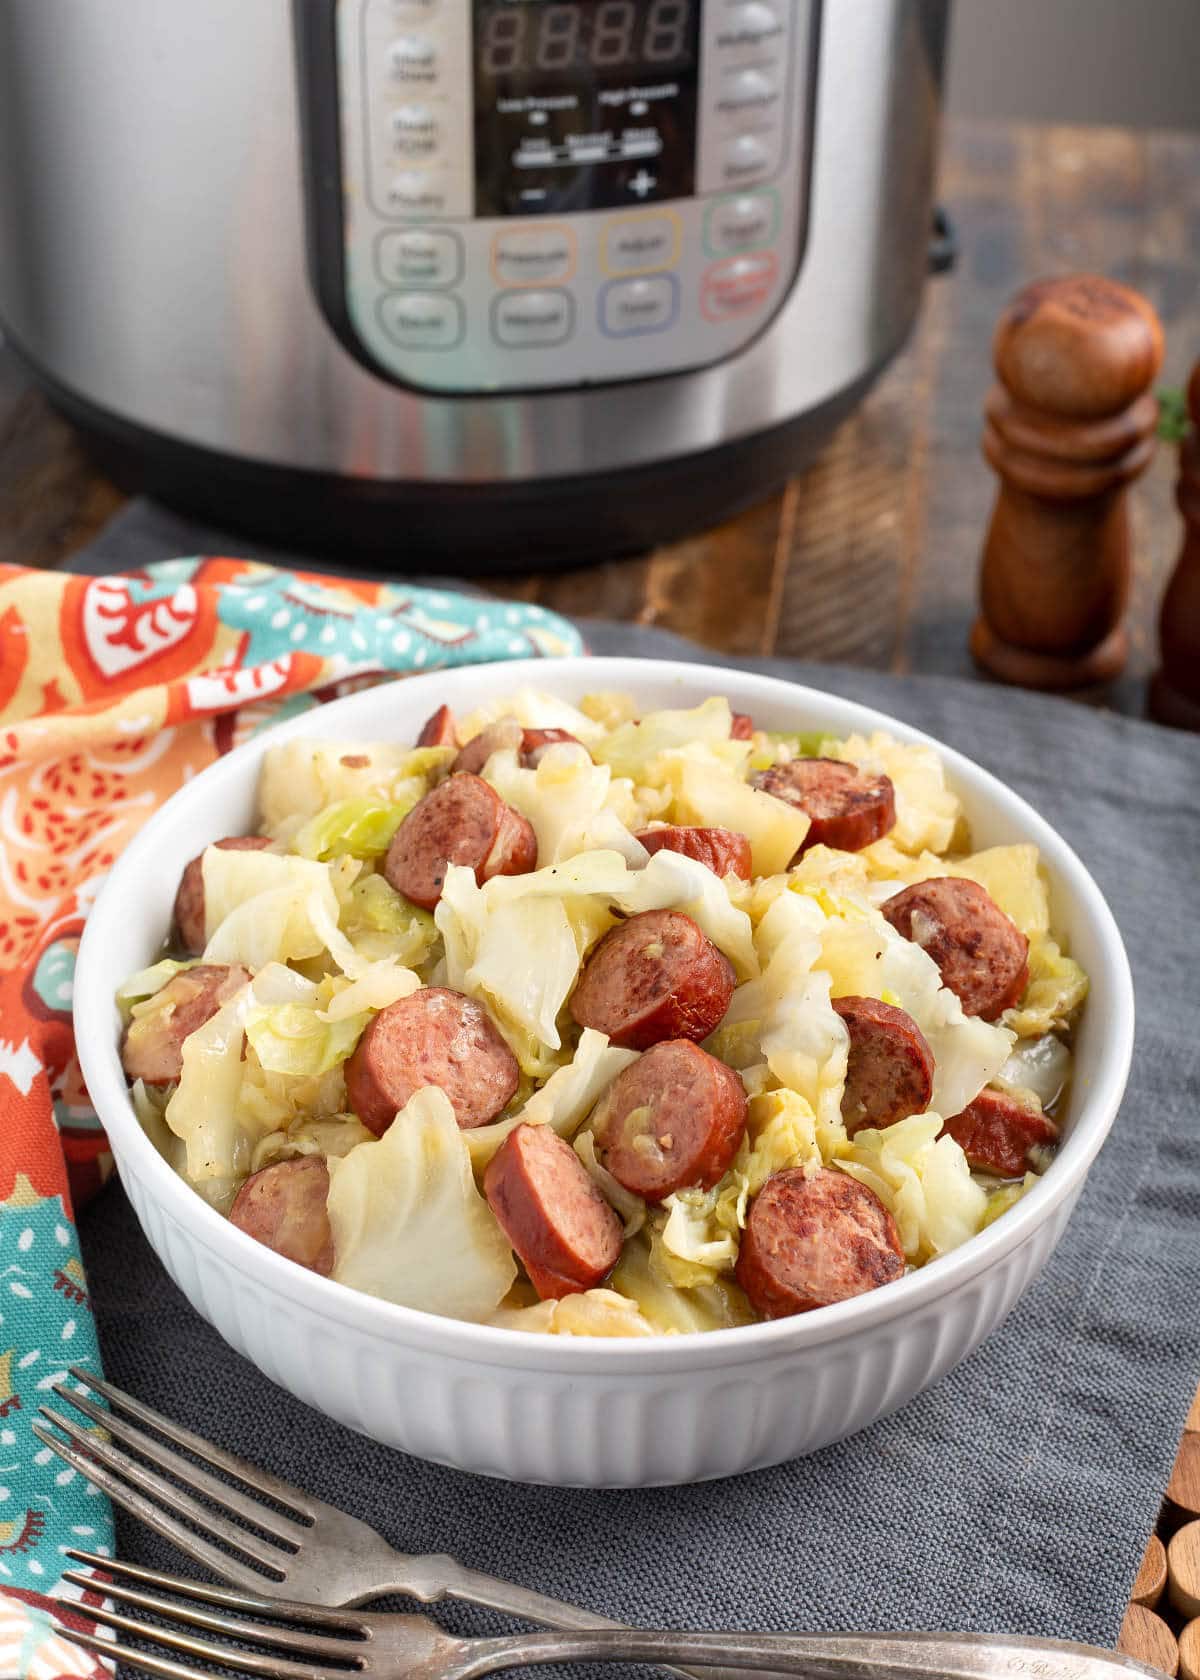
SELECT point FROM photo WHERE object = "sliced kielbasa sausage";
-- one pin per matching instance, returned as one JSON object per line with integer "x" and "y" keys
{"x": 847, "y": 807}
{"x": 152, "y": 1048}
{"x": 438, "y": 730}
{"x": 462, "y": 821}
{"x": 982, "y": 956}
{"x": 723, "y": 850}
{"x": 889, "y": 1072}
{"x": 505, "y": 732}
{"x": 432, "y": 1037}
{"x": 190, "y": 929}
{"x": 655, "y": 976}
{"x": 742, "y": 727}
{"x": 564, "y": 1232}
{"x": 284, "y": 1207}
{"x": 811, "y": 1241}
{"x": 671, "y": 1120}
{"x": 996, "y": 1133}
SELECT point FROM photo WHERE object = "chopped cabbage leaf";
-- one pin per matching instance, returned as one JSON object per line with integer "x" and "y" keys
{"x": 330, "y": 1138}
{"x": 672, "y": 1311}
{"x": 922, "y": 1179}
{"x": 1007, "y": 1196}
{"x": 803, "y": 1040}
{"x": 702, "y": 1232}
{"x": 632, "y": 748}
{"x": 563, "y": 1102}
{"x": 713, "y": 797}
{"x": 631, "y": 1208}
{"x": 273, "y": 1102}
{"x": 609, "y": 708}
{"x": 572, "y": 804}
{"x": 378, "y": 985}
{"x": 927, "y": 811}
{"x": 358, "y": 827}
{"x": 408, "y": 1223}
{"x": 203, "y": 1110}
{"x": 379, "y": 922}
{"x": 866, "y": 957}
{"x": 262, "y": 907}
{"x": 302, "y": 778}
{"x": 1038, "y": 1066}
{"x": 1012, "y": 875}
{"x": 591, "y": 1312}
{"x": 289, "y": 1038}
{"x": 1057, "y": 986}
{"x": 147, "y": 982}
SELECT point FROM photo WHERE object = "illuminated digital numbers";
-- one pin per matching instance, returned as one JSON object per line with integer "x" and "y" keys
{"x": 563, "y": 35}
{"x": 612, "y": 33}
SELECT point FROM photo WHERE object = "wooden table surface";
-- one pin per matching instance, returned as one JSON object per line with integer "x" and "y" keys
{"x": 869, "y": 556}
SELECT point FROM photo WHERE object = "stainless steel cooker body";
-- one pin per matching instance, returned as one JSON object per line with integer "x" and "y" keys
{"x": 161, "y": 238}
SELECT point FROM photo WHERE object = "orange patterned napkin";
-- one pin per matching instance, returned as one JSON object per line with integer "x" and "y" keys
{"x": 113, "y": 691}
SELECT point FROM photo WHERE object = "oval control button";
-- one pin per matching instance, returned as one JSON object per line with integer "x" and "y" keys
{"x": 524, "y": 320}
{"x": 638, "y": 306}
{"x": 417, "y": 194}
{"x": 741, "y": 223}
{"x": 411, "y": 58}
{"x": 420, "y": 257}
{"x": 422, "y": 320}
{"x": 744, "y": 159}
{"x": 414, "y": 130}
{"x": 533, "y": 256}
{"x": 640, "y": 244}
{"x": 738, "y": 286}
{"x": 749, "y": 24}
{"x": 746, "y": 90}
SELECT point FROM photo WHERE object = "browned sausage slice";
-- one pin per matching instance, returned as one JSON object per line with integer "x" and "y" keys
{"x": 847, "y": 807}
{"x": 505, "y": 732}
{"x": 464, "y": 821}
{"x": 565, "y": 1234}
{"x": 432, "y": 1037}
{"x": 671, "y": 1120}
{"x": 982, "y": 956}
{"x": 655, "y": 976}
{"x": 283, "y": 1206}
{"x": 189, "y": 900}
{"x": 152, "y": 1048}
{"x": 889, "y": 1074}
{"x": 742, "y": 727}
{"x": 723, "y": 850}
{"x": 996, "y": 1133}
{"x": 438, "y": 730}
{"x": 812, "y": 1241}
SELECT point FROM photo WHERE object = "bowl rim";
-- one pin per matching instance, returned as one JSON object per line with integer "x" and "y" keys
{"x": 96, "y": 1017}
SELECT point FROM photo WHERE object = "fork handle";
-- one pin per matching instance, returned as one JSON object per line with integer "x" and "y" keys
{"x": 880, "y": 1656}
{"x": 432, "y": 1578}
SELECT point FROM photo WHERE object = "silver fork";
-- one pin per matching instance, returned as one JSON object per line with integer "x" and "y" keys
{"x": 323, "y": 1644}
{"x": 312, "y": 1552}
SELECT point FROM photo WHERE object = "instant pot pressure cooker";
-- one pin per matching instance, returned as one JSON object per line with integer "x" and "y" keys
{"x": 474, "y": 281}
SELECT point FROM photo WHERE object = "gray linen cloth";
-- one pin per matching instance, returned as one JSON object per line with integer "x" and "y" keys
{"x": 1017, "y": 1494}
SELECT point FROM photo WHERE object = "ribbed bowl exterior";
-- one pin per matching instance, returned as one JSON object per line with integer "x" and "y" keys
{"x": 630, "y": 1431}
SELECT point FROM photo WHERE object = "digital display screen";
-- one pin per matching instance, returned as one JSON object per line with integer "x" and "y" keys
{"x": 584, "y": 35}
{"x": 583, "y": 104}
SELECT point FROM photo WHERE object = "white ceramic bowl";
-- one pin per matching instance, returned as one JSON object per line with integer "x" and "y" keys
{"x": 626, "y": 1413}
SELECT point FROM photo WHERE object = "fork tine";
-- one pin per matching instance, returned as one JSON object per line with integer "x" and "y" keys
{"x": 314, "y": 1614}
{"x": 137, "y": 1505}
{"x": 259, "y": 1551}
{"x": 126, "y": 1657}
{"x": 251, "y": 1662}
{"x": 252, "y": 1510}
{"x": 237, "y": 1627}
{"x": 273, "y": 1487}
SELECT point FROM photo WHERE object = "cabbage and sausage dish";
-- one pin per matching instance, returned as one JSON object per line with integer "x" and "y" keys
{"x": 597, "y": 1021}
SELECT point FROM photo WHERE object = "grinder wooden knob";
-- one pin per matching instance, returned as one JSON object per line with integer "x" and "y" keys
{"x": 1175, "y": 691}
{"x": 1069, "y": 426}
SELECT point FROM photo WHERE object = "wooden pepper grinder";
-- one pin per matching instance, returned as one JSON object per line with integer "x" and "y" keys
{"x": 1175, "y": 691}
{"x": 1069, "y": 426}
